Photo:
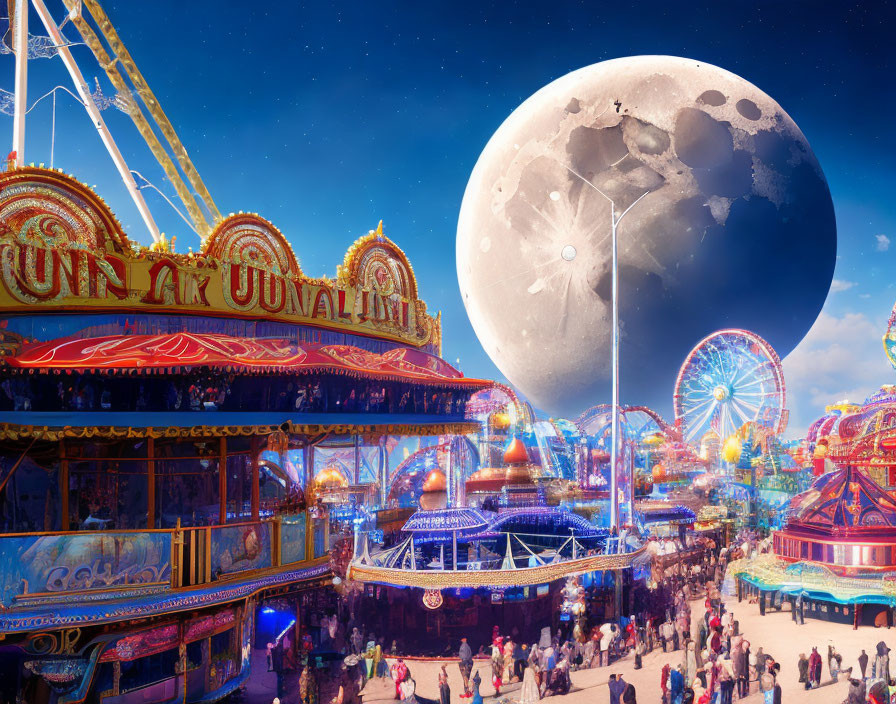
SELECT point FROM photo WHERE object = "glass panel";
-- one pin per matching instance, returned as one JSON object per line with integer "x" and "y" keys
{"x": 133, "y": 494}
{"x": 187, "y": 489}
{"x": 292, "y": 462}
{"x": 272, "y": 483}
{"x": 107, "y": 494}
{"x": 30, "y": 501}
{"x": 321, "y": 547}
{"x": 339, "y": 458}
{"x": 368, "y": 464}
{"x": 292, "y": 539}
{"x": 148, "y": 670}
{"x": 239, "y": 488}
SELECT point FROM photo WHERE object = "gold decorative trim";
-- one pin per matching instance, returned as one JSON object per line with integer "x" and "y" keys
{"x": 349, "y": 273}
{"x": 9, "y": 431}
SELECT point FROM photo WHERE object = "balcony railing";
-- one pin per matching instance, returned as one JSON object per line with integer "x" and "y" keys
{"x": 62, "y": 566}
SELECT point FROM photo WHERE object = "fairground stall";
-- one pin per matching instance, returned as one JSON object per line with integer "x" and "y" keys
{"x": 183, "y": 437}
{"x": 836, "y": 555}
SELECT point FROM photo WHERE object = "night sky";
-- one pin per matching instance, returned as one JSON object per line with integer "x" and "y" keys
{"x": 327, "y": 118}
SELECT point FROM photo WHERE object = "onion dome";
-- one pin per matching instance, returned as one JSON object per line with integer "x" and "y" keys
{"x": 515, "y": 453}
{"x": 435, "y": 491}
{"x": 519, "y": 469}
{"x": 435, "y": 481}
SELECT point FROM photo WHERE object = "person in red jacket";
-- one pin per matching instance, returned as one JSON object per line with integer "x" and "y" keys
{"x": 815, "y": 668}
{"x": 664, "y": 683}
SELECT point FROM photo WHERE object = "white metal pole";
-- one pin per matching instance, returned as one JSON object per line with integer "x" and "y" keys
{"x": 20, "y": 40}
{"x": 92, "y": 110}
{"x": 614, "y": 446}
{"x": 452, "y": 480}
{"x": 614, "y": 363}
{"x": 53, "y": 133}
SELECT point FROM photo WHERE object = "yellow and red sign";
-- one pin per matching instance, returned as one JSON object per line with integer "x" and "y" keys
{"x": 62, "y": 249}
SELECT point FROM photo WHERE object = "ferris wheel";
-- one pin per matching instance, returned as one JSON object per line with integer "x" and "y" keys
{"x": 730, "y": 378}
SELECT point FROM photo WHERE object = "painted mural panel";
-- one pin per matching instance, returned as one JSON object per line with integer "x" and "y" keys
{"x": 52, "y": 564}
{"x": 241, "y": 547}
{"x": 292, "y": 539}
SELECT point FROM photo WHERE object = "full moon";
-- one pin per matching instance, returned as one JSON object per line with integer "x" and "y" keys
{"x": 736, "y": 228}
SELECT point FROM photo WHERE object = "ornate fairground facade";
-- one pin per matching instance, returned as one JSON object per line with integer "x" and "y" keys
{"x": 186, "y": 440}
{"x": 837, "y": 546}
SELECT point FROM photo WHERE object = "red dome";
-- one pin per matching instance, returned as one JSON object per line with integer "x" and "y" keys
{"x": 515, "y": 452}
{"x": 435, "y": 481}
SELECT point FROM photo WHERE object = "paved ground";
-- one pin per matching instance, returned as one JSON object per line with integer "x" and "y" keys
{"x": 775, "y": 632}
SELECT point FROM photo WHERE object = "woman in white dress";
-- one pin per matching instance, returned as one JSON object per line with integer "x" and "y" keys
{"x": 529, "y": 693}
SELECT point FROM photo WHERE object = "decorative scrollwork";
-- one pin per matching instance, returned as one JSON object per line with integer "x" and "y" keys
{"x": 48, "y": 209}
{"x": 376, "y": 263}
{"x": 247, "y": 238}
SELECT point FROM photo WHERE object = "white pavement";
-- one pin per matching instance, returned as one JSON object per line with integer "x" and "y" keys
{"x": 775, "y": 633}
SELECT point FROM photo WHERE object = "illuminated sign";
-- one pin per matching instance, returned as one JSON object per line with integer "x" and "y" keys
{"x": 61, "y": 248}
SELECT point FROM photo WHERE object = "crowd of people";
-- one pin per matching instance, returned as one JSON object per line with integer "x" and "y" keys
{"x": 717, "y": 661}
{"x": 873, "y": 685}
{"x": 543, "y": 668}
{"x": 211, "y": 391}
{"x": 709, "y": 660}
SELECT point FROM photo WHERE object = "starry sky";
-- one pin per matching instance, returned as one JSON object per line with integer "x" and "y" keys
{"x": 327, "y": 117}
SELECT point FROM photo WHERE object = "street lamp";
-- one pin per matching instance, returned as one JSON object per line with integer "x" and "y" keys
{"x": 614, "y": 441}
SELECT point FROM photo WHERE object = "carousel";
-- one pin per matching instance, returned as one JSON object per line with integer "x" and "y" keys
{"x": 836, "y": 555}
{"x": 501, "y": 559}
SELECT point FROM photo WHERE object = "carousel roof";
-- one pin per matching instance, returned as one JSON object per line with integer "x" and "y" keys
{"x": 844, "y": 501}
{"x": 445, "y": 520}
{"x": 184, "y": 351}
{"x": 541, "y": 517}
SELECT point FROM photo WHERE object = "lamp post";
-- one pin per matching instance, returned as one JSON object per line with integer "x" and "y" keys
{"x": 614, "y": 362}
